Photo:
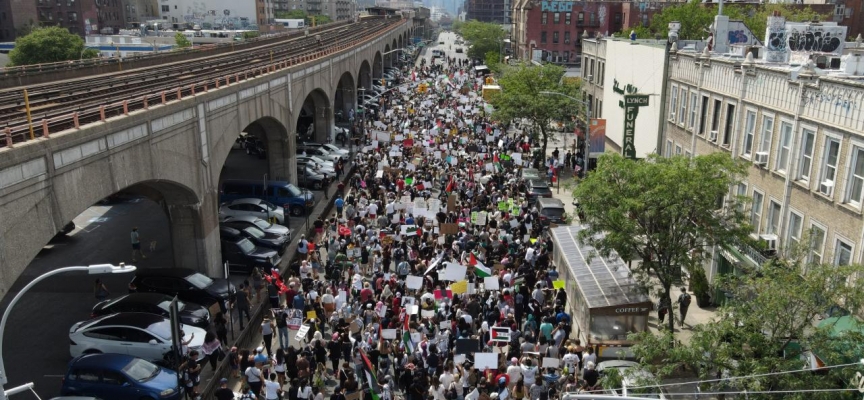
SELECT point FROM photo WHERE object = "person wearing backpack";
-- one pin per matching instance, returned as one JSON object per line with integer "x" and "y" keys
{"x": 683, "y": 304}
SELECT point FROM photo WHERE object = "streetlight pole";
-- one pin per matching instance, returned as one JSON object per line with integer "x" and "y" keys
{"x": 95, "y": 269}
{"x": 587, "y": 124}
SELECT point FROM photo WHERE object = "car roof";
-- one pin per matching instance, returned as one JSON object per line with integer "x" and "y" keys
{"x": 136, "y": 319}
{"x": 550, "y": 202}
{"x": 248, "y": 200}
{"x": 242, "y": 218}
{"x": 621, "y": 364}
{"x": 227, "y": 230}
{"x": 174, "y": 272}
{"x": 142, "y": 297}
{"x": 102, "y": 360}
{"x": 538, "y": 183}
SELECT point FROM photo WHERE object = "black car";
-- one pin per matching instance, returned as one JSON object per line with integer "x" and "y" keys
{"x": 189, "y": 285}
{"x": 255, "y": 146}
{"x": 154, "y": 303}
{"x": 242, "y": 255}
{"x": 256, "y": 236}
{"x": 535, "y": 188}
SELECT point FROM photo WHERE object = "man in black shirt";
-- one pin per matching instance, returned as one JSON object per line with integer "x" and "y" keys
{"x": 224, "y": 393}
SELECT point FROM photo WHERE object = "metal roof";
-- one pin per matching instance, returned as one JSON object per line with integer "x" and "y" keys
{"x": 602, "y": 282}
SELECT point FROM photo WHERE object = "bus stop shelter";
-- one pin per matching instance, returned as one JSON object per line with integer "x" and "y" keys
{"x": 606, "y": 303}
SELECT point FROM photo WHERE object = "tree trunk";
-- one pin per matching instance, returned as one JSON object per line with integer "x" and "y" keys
{"x": 545, "y": 139}
{"x": 667, "y": 298}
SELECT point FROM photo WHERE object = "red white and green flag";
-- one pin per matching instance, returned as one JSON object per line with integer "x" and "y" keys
{"x": 480, "y": 270}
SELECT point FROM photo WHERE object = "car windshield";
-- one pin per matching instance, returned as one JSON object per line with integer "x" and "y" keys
{"x": 262, "y": 223}
{"x": 199, "y": 280}
{"x": 141, "y": 370}
{"x": 246, "y": 246}
{"x": 269, "y": 205}
{"x": 317, "y": 160}
{"x": 165, "y": 304}
{"x": 161, "y": 329}
{"x": 254, "y": 232}
{"x": 293, "y": 190}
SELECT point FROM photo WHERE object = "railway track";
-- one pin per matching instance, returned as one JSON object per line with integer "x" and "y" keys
{"x": 58, "y": 106}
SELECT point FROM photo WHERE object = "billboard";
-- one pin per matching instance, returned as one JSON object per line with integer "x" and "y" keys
{"x": 597, "y": 137}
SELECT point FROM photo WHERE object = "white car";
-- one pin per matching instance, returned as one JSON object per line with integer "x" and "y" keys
{"x": 141, "y": 335}
{"x": 335, "y": 149}
{"x": 632, "y": 375}
{"x": 252, "y": 208}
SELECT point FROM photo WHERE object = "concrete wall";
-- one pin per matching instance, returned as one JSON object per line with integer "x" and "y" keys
{"x": 172, "y": 153}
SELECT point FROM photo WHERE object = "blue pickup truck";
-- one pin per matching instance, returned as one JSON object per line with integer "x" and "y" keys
{"x": 297, "y": 201}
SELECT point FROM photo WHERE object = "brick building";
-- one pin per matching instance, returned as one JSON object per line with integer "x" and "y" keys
{"x": 496, "y": 11}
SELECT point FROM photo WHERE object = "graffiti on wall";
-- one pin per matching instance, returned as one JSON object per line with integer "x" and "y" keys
{"x": 738, "y": 37}
{"x": 556, "y": 6}
{"x": 839, "y": 98}
{"x": 775, "y": 40}
{"x": 825, "y": 39}
{"x": 200, "y": 13}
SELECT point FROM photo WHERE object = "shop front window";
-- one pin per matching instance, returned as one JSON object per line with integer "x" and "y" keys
{"x": 616, "y": 327}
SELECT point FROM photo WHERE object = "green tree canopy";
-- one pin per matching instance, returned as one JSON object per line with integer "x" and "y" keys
{"x": 291, "y": 14}
{"x": 696, "y": 18}
{"x": 773, "y": 323}
{"x": 484, "y": 37}
{"x": 46, "y": 45}
{"x": 181, "y": 40}
{"x": 662, "y": 211}
{"x": 521, "y": 97}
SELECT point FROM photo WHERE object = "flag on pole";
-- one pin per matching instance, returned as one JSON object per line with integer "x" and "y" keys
{"x": 406, "y": 336}
{"x": 450, "y": 185}
{"x": 370, "y": 375}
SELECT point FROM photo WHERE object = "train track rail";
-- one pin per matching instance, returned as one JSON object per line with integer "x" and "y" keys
{"x": 59, "y": 106}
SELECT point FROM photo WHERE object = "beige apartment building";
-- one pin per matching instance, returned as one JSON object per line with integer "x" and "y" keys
{"x": 801, "y": 128}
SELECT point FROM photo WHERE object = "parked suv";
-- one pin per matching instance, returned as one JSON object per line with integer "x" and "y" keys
{"x": 536, "y": 188}
{"x": 551, "y": 211}
{"x": 257, "y": 236}
{"x": 290, "y": 197}
{"x": 241, "y": 254}
{"x": 189, "y": 285}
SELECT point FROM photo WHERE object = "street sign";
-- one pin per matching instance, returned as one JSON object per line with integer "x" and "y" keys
{"x": 632, "y": 102}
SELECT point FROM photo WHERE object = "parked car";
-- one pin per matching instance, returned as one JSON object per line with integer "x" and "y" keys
{"x": 459, "y": 50}
{"x": 154, "y": 303}
{"x": 536, "y": 188}
{"x": 118, "y": 377}
{"x": 314, "y": 179}
{"x": 187, "y": 284}
{"x": 264, "y": 225}
{"x": 141, "y": 335}
{"x": 252, "y": 207}
{"x": 315, "y": 167}
{"x": 551, "y": 211}
{"x": 530, "y": 173}
{"x": 260, "y": 238}
{"x": 291, "y": 197}
{"x": 317, "y": 151}
{"x": 242, "y": 255}
{"x": 327, "y": 146}
{"x": 255, "y": 146}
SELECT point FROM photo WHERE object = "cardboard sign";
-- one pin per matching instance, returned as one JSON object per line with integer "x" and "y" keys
{"x": 388, "y": 334}
{"x": 302, "y": 332}
{"x": 414, "y": 282}
{"x": 455, "y": 272}
{"x": 451, "y": 203}
{"x": 311, "y": 315}
{"x": 459, "y": 287}
{"x": 444, "y": 325}
{"x": 427, "y": 313}
{"x": 491, "y": 283}
{"x": 459, "y": 359}
{"x": 551, "y": 362}
{"x": 449, "y": 229}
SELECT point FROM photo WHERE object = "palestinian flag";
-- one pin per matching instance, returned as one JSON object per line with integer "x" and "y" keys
{"x": 480, "y": 270}
{"x": 406, "y": 336}
{"x": 370, "y": 375}
{"x": 450, "y": 185}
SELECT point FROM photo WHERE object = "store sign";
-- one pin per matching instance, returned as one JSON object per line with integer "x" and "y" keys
{"x": 631, "y": 111}
{"x": 631, "y": 310}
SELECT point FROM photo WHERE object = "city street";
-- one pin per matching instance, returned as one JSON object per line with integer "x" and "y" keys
{"x": 37, "y": 330}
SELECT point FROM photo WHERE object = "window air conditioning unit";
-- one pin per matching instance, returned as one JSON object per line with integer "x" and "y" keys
{"x": 712, "y": 136}
{"x": 761, "y": 158}
{"x": 827, "y": 187}
{"x": 770, "y": 242}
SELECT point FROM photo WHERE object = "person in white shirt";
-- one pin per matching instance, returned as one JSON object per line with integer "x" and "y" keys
{"x": 571, "y": 361}
{"x": 271, "y": 388}
{"x": 529, "y": 371}
{"x": 304, "y": 392}
{"x": 514, "y": 371}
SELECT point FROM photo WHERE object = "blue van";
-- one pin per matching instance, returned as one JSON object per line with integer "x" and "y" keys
{"x": 297, "y": 201}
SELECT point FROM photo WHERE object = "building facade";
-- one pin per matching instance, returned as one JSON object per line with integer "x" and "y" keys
{"x": 801, "y": 129}
{"x": 495, "y": 11}
{"x": 220, "y": 14}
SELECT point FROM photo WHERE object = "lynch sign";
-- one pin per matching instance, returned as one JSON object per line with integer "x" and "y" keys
{"x": 632, "y": 102}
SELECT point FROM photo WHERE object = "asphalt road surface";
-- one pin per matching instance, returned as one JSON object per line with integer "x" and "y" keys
{"x": 36, "y": 341}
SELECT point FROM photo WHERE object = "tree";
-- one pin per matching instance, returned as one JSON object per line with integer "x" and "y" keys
{"x": 696, "y": 17}
{"x": 46, "y": 45}
{"x": 662, "y": 211}
{"x": 521, "y": 97}
{"x": 767, "y": 328}
{"x": 320, "y": 19}
{"x": 291, "y": 14}
{"x": 483, "y": 37}
{"x": 181, "y": 40}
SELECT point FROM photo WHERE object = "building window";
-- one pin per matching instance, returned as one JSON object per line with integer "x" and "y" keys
{"x": 556, "y": 18}
{"x": 555, "y": 37}
{"x": 842, "y": 252}
{"x": 166, "y": 8}
{"x": 749, "y": 133}
{"x": 784, "y": 147}
{"x": 566, "y": 38}
{"x": 673, "y": 105}
{"x": 678, "y": 150}
{"x": 829, "y": 166}
{"x": 703, "y": 111}
{"x": 566, "y": 53}
{"x": 808, "y": 139}
{"x": 544, "y": 17}
{"x": 694, "y": 99}
{"x": 855, "y": 177}
{"x": 756, "y": 210}
{"x": 73, "y": 16}
{"x": 741, "y": 193}
{"x": 793, "y": 232}
{"x": 543, "y": 37}
{"x": 767, "y": 132}
{"x": 682, "y": 113}
{"x": 669, "y": 146}
{"x": 617, "y": 18}
{"x": 730, "y": 122}
{"x": 715, "y": 119}
{"x": 567, "y": 18}
{"x": 817, "y": 243}
{"x": 580, "y": 19}
{"x": 774, "y": 212}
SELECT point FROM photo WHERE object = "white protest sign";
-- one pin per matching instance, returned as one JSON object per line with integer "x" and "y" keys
{"x": 301, "y": 333}
{"x": 412, "y": 309}
{"x": 491, "y": 283}
{"x": 388, "y": 334}
{"x": 427, "y": 313}
{"x": 455, "y": 272}
{"x": 414, "y": 282}
{"x": 551, "y": 362}
{"x": 459, "y": 359}
{"x": 485, "y": 360}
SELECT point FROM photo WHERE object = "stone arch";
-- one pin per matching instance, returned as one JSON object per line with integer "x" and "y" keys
{"x": 364, "y": 75}
{"x": 273, "y": 135}
{"x": 400, "y": 42}
{"x": 388, "y": 58}
{"x": 345, "y": 98}
{"x": 316, "y": 112}
{"x": 377, "y": 65}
